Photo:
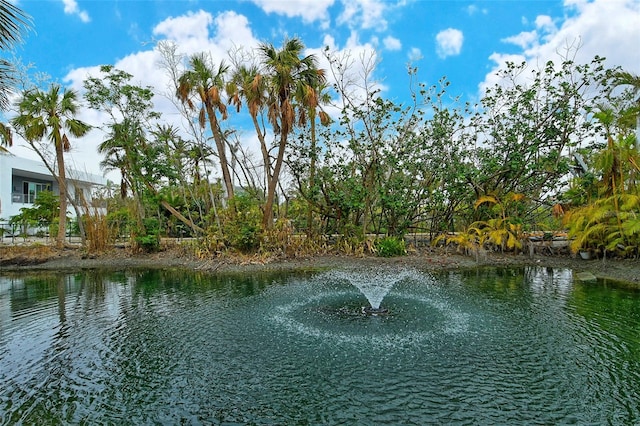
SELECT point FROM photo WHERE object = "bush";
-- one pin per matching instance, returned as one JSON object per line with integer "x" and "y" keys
{"x": 150, "y": 241}
{"x": 391, "y": 246}
{"x": 119, "y": 222}
{"x": 241, "y": 223}
{"x": 247, "y": 237}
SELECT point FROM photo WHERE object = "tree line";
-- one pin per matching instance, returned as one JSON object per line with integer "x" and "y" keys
{"x": 544, "y": 149}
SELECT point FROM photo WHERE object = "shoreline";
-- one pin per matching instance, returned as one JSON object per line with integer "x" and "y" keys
{"x": 44, "y": 258}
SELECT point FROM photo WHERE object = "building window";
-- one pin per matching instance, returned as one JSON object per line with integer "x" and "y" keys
{"x": 30, "y": 190}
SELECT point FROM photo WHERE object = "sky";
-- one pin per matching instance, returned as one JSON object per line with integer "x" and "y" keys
{"x": 464, "y": 41}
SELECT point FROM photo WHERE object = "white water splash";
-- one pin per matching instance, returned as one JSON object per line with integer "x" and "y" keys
{"x": 376, "y": 283}
{"x": 453, "y": 323}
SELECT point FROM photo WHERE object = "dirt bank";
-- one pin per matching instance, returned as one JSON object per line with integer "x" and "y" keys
{"x": 46, "y": 258}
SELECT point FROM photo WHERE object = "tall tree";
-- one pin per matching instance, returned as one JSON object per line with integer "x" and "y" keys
{"x": 130, "y": 111}
{"x": 528, "y": 126}
{"x": 287, "y": 73}
{"x": 312, "y": 95}
{"x": 631, "y": 115}
{"x": 173, "y": 64}
{"x": 248, "y": 85}
{"x": 51, "y": 115}
{"x": 206, "y": 82}
{"x": 128, "y": 147}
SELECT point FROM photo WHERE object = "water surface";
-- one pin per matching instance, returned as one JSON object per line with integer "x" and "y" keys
{"x": 512, "y": 346}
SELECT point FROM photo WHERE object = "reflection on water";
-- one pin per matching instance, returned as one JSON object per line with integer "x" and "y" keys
{"x": 507, "y": 346}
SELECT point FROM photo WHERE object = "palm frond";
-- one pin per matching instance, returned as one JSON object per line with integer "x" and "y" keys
{"x": 491, "y": 199}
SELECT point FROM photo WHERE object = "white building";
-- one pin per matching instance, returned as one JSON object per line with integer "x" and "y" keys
{"x": 21, "y": 180}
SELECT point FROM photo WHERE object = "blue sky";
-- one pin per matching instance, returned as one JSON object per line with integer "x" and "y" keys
{"x": 466, "y": 41}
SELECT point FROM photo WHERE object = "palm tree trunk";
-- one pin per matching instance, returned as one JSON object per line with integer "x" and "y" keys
{"x": 312, "y": 178}
{"x": 273, "y": 183}
{"x": 62, "y": 187}
{"x": 263, "y": 148}
{"x": 222, "y": 155}
{"x": 268, "y": 207}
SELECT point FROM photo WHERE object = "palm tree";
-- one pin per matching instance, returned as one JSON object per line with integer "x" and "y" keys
{"x": 120, "y": 152}
{"x": 631, "y": 116}
{"x": 207, "y": 83}
{"x": 50, "y": 115}
{"x": 311, "y": 95}
{"x": 12, "y": 22}
{"x": 248, "y": 84}
{"x": 287, "y": 73}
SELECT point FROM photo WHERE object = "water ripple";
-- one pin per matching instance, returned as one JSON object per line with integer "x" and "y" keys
{"x": 477, "y": 349}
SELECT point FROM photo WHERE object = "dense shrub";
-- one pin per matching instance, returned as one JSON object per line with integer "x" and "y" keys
{"x": 241, "y": 225}
{"x": 149, "y": 241}
{"x": 391, "y": 246}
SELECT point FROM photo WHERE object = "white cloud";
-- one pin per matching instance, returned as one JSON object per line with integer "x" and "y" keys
{"x": 71, "y": 8}
{"x": 392, "y": 43}
{"x": 523, "y": 40}
{"x": 308, "y": 10}
{"x": 546, "y": 24}
{"x": 545, "y": 29}
{"x": 600, "y": 27}
{"x": 364, "y": 14}
{"x": 189, "y": 29}
{"x": 233, "y": 29}
{"x": 449, "y": 42}
{"x": 472, "y": 9}
{"x": 329, "y": 41}
{"x": 415, "y": 54}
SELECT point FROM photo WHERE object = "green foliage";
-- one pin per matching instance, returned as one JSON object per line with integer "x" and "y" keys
{"x": 241, "y": 223}
{"x": 498, "y": 232}
{"x": 608, "y": 221}
{"x": 527, "y": 127}
{"x": 119, "y": 221}
{"x": 611, "y": 224}
{"x": 247, "y": 238}
{"x": 149, "y": 241}
{"x": 46, "y": 208}
{"x": 392, "y": 168}
{"x": 136, "y": 145}
{"x": 51, "y": 116}
{"x": 45, "y": 212}
{"x": 391, "y": 246}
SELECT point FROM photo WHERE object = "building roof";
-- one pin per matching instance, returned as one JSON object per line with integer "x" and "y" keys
{"x": 37, "y": 169}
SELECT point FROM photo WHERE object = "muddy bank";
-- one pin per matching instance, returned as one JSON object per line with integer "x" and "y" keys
{"x": 70, "y": 259}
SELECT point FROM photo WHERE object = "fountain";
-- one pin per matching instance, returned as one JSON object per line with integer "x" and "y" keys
{"x": 374, "y": 284}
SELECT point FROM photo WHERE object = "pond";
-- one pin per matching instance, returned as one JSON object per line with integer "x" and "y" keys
{"x": 488, "y": 346}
